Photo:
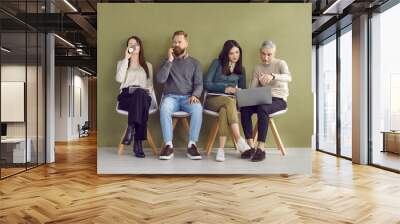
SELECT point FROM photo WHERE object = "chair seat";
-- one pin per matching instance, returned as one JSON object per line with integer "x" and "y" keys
{"x": 278, "y": 113}
{"x": 180, "y": 114}
{"x": 210, "y": 112}
{"x": 124, "y": 112}
{"x": 214, "y": 113}
{"x": 153, "y": 111}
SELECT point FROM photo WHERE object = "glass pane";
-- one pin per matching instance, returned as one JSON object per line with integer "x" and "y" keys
{"x": 346, "y": 94}
{"x": 41, "y": 98}
{"x": 32, "y": 97}
{"x": 327, "y": 96}
{"x": 386, "y": 89}
{"x": 13, "y": 86}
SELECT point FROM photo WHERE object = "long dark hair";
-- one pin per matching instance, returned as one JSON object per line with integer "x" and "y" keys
{"x": 142, "y": 60}
{"x": 224, "y": 58}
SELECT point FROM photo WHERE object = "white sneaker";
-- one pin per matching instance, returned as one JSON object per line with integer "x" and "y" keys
{"x": 241, "y": 145}
{"x": 220, "y": 155}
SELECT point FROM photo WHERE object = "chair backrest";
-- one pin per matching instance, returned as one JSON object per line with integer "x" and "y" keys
{"x": 86, "y": 125}
{"x": 154, "y": 104}
{"x": 205, "y": 97}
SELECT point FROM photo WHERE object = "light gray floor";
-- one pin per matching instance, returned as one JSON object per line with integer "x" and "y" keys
{"x": 297, "y": 161}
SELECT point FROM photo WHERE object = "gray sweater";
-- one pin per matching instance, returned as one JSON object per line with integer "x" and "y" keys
{"x": 182, "y": 76}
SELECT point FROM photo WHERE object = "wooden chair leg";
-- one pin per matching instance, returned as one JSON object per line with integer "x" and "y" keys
{"x": 121, "y": 147}
{"x": 174, "y": 121}
{"x": 213, "y": 135}
{"x": 209, "y": 136}
{"x": 209, "y": 139}
{"x": 186, "y": 124}
{"x": 151, "y": 142}
{"x": 277, "y": 138}
{"x": 233, "y": 139}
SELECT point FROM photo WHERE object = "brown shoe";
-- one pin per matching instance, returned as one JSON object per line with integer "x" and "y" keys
{"x": 258, "y": 156}
{"x": 193, "y": 153}
{"x": 248, "y": 153}
{"x": 167, "y": 153}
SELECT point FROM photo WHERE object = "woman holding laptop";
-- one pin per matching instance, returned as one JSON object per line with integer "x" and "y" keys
{"x": 275, "y": 73}
{"x": 225, "y": 77}
{"x": 136, "y": 77}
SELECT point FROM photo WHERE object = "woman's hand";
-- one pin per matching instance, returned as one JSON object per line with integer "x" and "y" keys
{"x": 230, "y": 90}
{"x": 127, "y": 54}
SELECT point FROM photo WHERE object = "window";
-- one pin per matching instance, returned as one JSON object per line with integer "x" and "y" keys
{"x": 327, "y": 96}
{"x": 346, "y": 93}
{"x": 22, "y": 66}
{"x": 385, "y": 89}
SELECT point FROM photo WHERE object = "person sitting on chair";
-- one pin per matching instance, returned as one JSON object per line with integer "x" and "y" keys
{"x": 225, "y": 74}
{"x": 274, "y": 72}
{"x": 182, "y": 77}
{"x": 136, "y": 77}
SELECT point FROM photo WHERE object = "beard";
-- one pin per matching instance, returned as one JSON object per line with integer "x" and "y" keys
{"x": 178, "y": 51}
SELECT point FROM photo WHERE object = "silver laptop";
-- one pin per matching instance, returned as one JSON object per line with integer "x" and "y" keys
{"x": 254, "y": 96}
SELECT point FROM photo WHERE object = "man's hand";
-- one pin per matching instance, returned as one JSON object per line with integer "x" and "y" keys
{"x": 170, "y": 54}
{"x": 265, "y": 79}
{"x": 193, "y": 100}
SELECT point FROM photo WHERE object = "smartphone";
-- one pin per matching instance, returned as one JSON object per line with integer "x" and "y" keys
{"x": 131, "y": 49}
{"x": 174, "y": 52}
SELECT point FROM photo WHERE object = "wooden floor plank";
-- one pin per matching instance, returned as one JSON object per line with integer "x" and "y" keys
{"x": 70, "y": 191}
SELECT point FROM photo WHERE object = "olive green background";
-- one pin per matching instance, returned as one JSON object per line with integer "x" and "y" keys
{"x": 208, "y": 26}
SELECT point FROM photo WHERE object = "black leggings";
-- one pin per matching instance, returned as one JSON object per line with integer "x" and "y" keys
{"x": 263, "y": 112}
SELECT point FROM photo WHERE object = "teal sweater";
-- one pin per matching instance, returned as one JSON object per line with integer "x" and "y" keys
{"x": 216, "y": 81}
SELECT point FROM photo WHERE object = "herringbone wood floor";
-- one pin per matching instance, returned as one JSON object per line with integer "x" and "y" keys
{"x": 70, "y": 191}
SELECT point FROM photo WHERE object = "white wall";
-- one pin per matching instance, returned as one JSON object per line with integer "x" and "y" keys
{"x": 70, "y": 83}
{"x": 61, "y": 103}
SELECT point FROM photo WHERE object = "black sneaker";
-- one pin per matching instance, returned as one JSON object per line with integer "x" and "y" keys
{"x": 166, "y": 153}
{"x": 193, "y": 153}
{"x": 248, "y": 153}
{"x": 258, "y": 156}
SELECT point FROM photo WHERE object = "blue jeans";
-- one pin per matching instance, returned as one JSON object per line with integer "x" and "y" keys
{"x": 173, "y": 103}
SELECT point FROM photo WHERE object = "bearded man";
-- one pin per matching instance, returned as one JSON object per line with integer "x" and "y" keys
{"x": 182, "y": 77}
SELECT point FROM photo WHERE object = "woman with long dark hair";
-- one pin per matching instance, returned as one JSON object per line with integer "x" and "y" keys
{"x": 136, "y": 77}
{"x": 225, "y": 77}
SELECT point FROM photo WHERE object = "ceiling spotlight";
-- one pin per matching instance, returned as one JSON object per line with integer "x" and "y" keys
{"x": 64, "y": 40}
{"x": 70, "y": 5}
{"x": 337, "y": 7}
{"x": 84, "y": 71}
{"x": 5, "y": 50}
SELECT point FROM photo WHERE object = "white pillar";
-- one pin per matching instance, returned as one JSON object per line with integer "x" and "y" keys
{"x": 50, "y": 93}
{"x": 360, "y": 90}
